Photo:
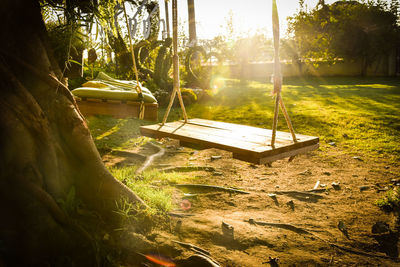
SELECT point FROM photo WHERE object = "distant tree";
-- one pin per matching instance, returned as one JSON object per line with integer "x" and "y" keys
{"x": 347, "y": 29}
{"x": 192, "y": 22}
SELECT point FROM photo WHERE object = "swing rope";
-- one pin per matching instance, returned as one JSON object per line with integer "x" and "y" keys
{"x": 176, "y": 87}
{"x": 138, "y": 87}
{"x": 277, "y": 75}
{"x": 278, "y": 80}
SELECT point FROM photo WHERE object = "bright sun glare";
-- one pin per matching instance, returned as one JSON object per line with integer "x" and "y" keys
{"x": 248, "y": 17}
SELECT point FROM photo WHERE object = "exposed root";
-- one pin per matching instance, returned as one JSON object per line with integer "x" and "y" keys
{"x": 302, "y": 196}
{"x": 150, "y": 159}
{"x": 282, "y": 226}
{"x": 211, "y": 188}
{"x": 189, "y": 169}
{"x": 192, "y": 247}
{"x": 306, "y": 232}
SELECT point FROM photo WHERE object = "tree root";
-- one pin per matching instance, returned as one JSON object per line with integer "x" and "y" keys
{"x": 192, "y": 247}
{"x": 189, "y": 169}
{"x": 211, "y": 187}
{"x": 203, "y": 255}
{"x": 281, "y": 225}
{"x": 299, "y": 195}
{"x": 306, "y": 232}
{"x": 149, "y": 160}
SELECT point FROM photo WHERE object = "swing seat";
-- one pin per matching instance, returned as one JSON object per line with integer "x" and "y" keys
{"x": 247, "y": 143}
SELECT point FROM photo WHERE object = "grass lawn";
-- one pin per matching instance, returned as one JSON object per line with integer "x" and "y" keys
{"x": 361, "y": 115}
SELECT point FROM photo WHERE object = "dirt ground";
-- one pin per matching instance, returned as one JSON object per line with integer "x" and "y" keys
{"x": 276, "y": 195}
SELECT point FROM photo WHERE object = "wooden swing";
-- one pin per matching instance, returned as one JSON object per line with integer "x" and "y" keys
{"x": 251, "y": 144}
{"x": 121, "y": 108}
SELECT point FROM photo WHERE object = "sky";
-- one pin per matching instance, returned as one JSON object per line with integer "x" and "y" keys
{"x": 249, "y": 16}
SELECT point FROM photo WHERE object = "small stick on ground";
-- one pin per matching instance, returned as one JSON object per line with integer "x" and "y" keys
{"x": 212, "y": 187}
{"x": 150, "y": 159}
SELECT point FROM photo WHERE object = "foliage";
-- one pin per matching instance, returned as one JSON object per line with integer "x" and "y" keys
{"x": 391, "y": 200}
{"x": 163, "y": 63}
{"x": 346, "y": 29}
{"x": 68, "y": 43}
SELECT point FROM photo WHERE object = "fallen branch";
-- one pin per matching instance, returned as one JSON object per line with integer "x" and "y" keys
{"x": 189, "y": 169}
{"x": 212, "y": 187}
{"x": 151, "y": 158}
{"x": 304, "y": 231}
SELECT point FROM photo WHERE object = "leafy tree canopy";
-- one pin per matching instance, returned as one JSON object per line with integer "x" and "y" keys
{"x": 346, "y": 29}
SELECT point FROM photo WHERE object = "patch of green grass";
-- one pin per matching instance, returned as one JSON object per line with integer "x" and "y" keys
{"x": 110, "y": 133}
{"x": 391, "y": 200}
{"x": 360, "y": 114}
{"x": 153, "y": 186}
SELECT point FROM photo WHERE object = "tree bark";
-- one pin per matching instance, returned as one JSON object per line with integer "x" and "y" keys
{"x": 192, "y": 23}
{"x": 46, "y": 150}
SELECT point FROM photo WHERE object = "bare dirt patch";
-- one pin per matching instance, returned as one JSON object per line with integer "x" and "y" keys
{"x": 276, "y": 196}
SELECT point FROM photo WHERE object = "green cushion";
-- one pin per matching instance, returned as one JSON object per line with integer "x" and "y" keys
{"x": 119, "y": 84}
{"x": 89, "y": 92}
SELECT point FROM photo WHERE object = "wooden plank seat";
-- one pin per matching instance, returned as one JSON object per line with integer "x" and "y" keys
{"x": 247, "y": 143}
{"x": 116, "y": 108}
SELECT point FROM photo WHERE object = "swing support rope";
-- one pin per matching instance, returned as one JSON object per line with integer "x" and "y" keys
{"x": 176, "y": 87}
{"x": 138, "y": 87}
{"x": 278, "y": 80}
{"x": 277, "y": 75}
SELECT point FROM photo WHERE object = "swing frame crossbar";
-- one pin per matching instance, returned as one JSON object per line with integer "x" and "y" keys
{"x": 251, "y": 144}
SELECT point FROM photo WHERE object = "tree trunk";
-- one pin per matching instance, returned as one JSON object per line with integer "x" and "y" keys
{"x": 192, "y": 23}
{"x": 46, "y": 151}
